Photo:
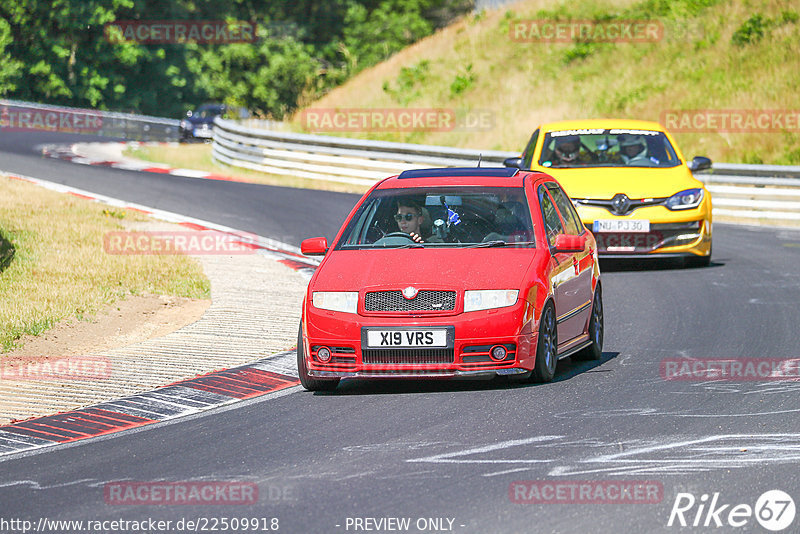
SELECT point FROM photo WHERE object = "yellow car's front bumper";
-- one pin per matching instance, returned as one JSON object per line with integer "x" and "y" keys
{"x": 672, "y": 233}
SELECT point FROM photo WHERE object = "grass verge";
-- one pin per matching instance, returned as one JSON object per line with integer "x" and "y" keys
{"x": 714, "y": 55}
{"x": 53, "y": 266}
{"x": 197, "y": 156}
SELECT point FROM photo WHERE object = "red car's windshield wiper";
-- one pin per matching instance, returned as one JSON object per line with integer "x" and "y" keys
{"x": 498, "y": 243}
{"x": 410, "y": 245}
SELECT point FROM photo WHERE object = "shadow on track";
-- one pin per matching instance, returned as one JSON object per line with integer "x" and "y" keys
{"x": 567, "y": 368}
{"x": 653, "y": 264}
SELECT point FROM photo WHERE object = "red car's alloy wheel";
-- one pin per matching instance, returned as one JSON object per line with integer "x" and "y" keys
{"x": 547, "y": 347}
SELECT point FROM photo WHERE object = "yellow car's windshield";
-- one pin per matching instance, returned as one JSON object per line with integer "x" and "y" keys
{"x": 598, "y": 147}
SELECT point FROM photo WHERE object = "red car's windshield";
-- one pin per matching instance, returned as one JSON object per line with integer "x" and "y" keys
{"x": 441, "y": 217}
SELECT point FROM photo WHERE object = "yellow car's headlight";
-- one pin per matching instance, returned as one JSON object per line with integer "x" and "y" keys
{"x": 486, "y": 299}
{"x": 342, "y": 301}
{"x": 691, "y": 198}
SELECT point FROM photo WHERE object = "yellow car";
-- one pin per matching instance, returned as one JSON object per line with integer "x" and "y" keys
{"x": 631, "y": 184}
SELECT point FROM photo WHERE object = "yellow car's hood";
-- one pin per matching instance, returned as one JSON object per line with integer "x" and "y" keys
{"x": 636, "y": 182}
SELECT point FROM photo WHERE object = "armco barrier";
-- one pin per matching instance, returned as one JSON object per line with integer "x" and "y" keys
{"x": 755, "y": 193}
{"x": 752, "y": 193}
{"x": 27, "y": 116}
{"x": 338, "y": 159}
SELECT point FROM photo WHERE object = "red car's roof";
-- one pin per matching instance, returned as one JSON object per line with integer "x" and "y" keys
{"x": 485, "y": 176}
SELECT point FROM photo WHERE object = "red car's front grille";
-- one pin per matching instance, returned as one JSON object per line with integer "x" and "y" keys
{"x": 406, "y": 356}
{"x": 393, "y": 301}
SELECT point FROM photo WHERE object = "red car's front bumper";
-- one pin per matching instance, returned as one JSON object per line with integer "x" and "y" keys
{"x": 472, "y": 337}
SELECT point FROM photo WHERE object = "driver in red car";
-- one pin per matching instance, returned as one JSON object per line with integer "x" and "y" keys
{"x": 410, "y": 219}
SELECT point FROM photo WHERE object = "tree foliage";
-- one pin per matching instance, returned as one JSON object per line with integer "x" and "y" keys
{"x": 57, "y": 52}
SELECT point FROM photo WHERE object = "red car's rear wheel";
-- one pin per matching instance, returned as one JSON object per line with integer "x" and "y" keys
{"x": 596, "y": 328}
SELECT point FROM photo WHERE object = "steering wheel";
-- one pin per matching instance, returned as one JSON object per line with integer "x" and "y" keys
{"x": 398, "y": 234}
{"x": 388, "y": 239}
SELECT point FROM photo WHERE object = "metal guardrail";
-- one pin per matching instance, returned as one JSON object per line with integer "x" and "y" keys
{"x": 338, "y": 159}
{"x": 16, "y": 115}
{"x": 741, "y": 191}
{"x": 754, "y": 193}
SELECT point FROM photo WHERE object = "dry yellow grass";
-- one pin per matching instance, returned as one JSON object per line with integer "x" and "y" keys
{"x": 53, "y": 265}
{"x": 695, "y": 66}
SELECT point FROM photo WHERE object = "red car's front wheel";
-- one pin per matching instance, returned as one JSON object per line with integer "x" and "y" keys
{"x": 547, "y": 346}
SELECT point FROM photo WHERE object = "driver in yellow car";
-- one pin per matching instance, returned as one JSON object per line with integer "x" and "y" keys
{"x": 567, "y": 152}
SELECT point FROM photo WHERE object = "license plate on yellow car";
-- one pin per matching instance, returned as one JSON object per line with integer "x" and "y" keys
{"x": 621, "y": 225}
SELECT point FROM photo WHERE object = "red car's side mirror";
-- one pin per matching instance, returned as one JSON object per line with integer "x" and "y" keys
{"x": 314, "y": 246}
{"x": 570, "y": 243}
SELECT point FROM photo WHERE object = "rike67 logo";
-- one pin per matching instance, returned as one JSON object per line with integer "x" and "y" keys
{"x": 774, "y": 510}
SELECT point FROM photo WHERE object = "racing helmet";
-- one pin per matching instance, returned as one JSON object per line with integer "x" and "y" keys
{"x": 626, "y": 141}
{"x": 567, "y": 148}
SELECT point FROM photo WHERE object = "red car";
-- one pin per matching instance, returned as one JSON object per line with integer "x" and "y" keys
{"x": 460, "y": 272}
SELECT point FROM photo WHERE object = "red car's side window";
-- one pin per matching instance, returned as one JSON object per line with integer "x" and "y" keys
{"x": 552, "y": 221}
{"x": 572, "y": 222}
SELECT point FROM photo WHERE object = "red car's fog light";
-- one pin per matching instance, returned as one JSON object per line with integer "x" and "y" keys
{"x": 324, "y": 354}
{"x": 498, "y": 353}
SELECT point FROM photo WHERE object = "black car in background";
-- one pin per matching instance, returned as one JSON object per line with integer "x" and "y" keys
{"x": 198, "y": 124}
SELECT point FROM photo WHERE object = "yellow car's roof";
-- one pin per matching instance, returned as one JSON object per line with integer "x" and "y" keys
{"x": 602, "y": 123}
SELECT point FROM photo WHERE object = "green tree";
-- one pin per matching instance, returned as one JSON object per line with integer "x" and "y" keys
{"x": 372, "y": 36}
{"x": 58, "y": 51}
{"x": 10, "y": 68}
{"x": 267, "y": 77}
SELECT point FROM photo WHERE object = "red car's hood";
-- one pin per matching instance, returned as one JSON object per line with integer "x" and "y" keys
{"x": 482, "y": 268}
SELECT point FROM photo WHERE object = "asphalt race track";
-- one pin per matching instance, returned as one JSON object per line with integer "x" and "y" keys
{"x": 282, "y": 213}
{"x": 444, "y": 455}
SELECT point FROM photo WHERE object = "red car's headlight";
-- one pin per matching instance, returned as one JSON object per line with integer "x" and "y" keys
{"x": 341, "y": 301}
{"x": 487, "y": 299}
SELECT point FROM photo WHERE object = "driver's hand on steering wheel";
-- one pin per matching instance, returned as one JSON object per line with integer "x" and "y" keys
{"x": 416, "y": 237}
